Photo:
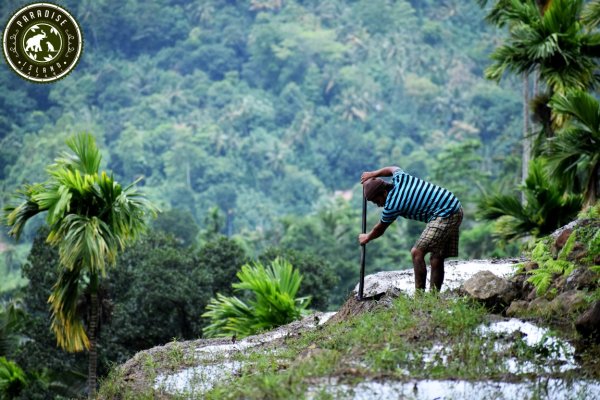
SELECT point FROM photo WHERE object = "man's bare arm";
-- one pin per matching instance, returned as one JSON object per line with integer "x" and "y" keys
{"x": 376, "y": 232}
{"x": 385, "y": 171}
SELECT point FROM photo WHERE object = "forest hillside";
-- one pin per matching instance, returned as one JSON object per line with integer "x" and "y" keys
{"x": 200, "y": 144}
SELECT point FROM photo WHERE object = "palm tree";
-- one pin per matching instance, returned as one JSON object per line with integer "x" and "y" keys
{"x": 574, "y": 153}
{"x": 547, "y": 37}
{"x": 502, "y": 14}
{"x": 91, "y": 218}
{"x": 552, "y": 39}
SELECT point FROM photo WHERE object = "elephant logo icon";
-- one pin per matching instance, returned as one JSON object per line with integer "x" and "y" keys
{"x": 42, "y": 42}
{"x": 34, "y": 42}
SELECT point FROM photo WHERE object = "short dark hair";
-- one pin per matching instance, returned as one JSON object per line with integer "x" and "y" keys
{"x": 373, "y": 187}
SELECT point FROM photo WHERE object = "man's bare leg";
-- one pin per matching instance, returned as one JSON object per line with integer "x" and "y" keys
{"x": 418, "y": 259}
{"x": 437, "y": 273}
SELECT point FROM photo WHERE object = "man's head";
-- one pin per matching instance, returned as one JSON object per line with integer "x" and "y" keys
{"x": 376, "y": 191}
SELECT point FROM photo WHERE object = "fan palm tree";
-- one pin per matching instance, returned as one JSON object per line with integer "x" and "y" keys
{"x": 574, "y": 153}
{"x": 91, "y": 218}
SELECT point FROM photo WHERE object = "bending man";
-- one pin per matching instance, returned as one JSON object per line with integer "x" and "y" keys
{"x": 413, "y": 198}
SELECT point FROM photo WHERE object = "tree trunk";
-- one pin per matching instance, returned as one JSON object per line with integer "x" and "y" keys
{"x": 93, "y": 354}
{"x": 526, "y": 139}
{"x": 593, "y": 187}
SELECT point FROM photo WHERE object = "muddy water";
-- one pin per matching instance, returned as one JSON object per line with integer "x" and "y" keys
{"x": 540, "y": 388}
{"x": 562, "y": 353}
{"x": 216, "y": 365}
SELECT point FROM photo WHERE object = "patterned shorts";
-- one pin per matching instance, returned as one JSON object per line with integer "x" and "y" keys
{"x": 440, "y": 236}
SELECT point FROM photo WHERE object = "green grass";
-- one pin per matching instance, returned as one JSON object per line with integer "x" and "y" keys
{"x": 392, "y": 343}
{"x": 113, "y": 387}
{"x": 422, "y": 337}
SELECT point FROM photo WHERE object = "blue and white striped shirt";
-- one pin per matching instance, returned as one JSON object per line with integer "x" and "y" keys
{"x": 414, "y": 198}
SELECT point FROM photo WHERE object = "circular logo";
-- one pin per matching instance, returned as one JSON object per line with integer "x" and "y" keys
{"x": 42, "y": 42}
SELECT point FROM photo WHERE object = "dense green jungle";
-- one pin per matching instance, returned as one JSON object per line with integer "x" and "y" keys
{"x": 248, "y": 124}
{"x": 256, "y": 119}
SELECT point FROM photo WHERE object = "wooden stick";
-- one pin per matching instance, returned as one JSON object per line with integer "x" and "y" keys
{"x": 363, "y": 248}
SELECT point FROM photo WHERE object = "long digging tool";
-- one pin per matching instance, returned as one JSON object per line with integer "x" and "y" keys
{"x": 363, "y": 248}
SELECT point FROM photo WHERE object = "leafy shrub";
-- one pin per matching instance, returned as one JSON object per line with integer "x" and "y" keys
{"x": 546, "y": 208}
{"x": 12, "y": 379}
{"x": 273, "y": 301}
{"x": 319, "y": 277}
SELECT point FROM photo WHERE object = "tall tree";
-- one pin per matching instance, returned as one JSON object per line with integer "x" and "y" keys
{"x": 551, "y": 38}
{"x": 547, "y": 36}
{"x": 91, "y": 218}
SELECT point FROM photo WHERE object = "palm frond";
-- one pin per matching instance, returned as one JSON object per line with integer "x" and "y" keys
{"x": 17, "y": 216}
{"x": 66, "y": 323}
{"x": 274, "y": 303}
{"x": 550, "y": 39}
{"x": 85, "y": 156}
{"x": 591, "y": 14}
{"x": 573, "y": 153}
{"x": 12, "y": 378}
{"x": 497, "y": 205}
{"x": 509, "y": 12}
{"x": 125, "y": 210}
{"x": 546, "y": 207}
{"x": 82, "y": 239}
{"x": 580, "y": 105}
{"x": 229, "y": 316}
{"x": 56, "y": 199}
